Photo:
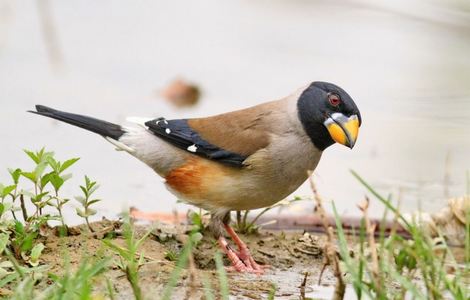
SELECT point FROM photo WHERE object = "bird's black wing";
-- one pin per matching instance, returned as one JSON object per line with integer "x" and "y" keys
{"x": 180, "y": 134}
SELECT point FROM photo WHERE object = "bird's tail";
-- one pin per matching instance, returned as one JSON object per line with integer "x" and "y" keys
{"x": 100, "y": 127}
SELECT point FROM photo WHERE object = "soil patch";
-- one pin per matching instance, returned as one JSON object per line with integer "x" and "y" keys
{"x": 295, "y": 259}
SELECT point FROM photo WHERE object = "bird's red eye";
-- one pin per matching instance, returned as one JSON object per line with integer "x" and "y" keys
{"x": 334, "y": 100}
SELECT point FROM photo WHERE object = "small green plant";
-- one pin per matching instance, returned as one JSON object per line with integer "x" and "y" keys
{"x": 57, "y": 180}
{"x": 20, "y": 243}
{"x": 130, "y": 260}
{"x": 86, "y": 201}
{"x": 78, "y": 284}
{"x": 245, "y": 226}
{"x": 197, "y": 219}
{"x": 24, "y": 245}
{"x": 171, "y": 255}
{"x": 55, "y": 177}
{"x": 272, "y": 292}
{"x": 223, "y": 281}
{"x": 38, "y": 196}
{"x": 181, "y": 264}
{"x": 23, "y": 238}
{"x": 6, "y": 207}
{"x": 74, "y": 285}
{"x": 5, "y": 192}
{"x": 11, "y": 271}
{"x": 47, "y": 177}
{"x": 24, "y": 290}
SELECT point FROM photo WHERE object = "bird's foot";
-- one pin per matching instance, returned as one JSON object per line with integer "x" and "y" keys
{"x": 242, "y": 264}
{"x": 249, "y": 261}
{"x": 244, "y": 253}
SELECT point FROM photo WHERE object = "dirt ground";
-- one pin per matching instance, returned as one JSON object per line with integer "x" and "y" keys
{"x": 291, "y": 256}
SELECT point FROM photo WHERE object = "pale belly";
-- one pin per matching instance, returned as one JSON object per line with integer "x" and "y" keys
{"x": 243, "y": 193}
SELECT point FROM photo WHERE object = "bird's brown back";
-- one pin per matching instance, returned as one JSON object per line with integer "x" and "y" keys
{"x": 244, "y": 131}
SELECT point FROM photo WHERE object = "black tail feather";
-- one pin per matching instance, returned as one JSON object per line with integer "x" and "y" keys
{"x": 100, "y": 127}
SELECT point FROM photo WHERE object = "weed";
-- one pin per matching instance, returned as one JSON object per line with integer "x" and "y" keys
{"x": 38, "y": 197}
{"x": 223, "y": 281}
{"x": 175, "y": 275}
{"x": 11, "y": 271}
{"x": 10, "y": 191}
{"x": 171, "y": 255}
{"x": 70, "y": 285}
{"x": 330, "y": 251}
{"x": 110, "y": 289}
{"x": 47, "y": 172}
{"x": 197, "y": 219}
{"x": 243, "y": 225}
{"x": 78, "y": 284}
{"x": 57, "y": 179}
{"x": 130, "y": 259}
{"x": 402, "y": 261}
{"x": 181, "y": 264}
{"x": 24, "y": 290}
{"x": 88, "y": 189}
{"x": 23, "y": 237}
{"x": 19, "y": 237}
{"x": 207, "y": 288}
{"x": 272, "y": 292}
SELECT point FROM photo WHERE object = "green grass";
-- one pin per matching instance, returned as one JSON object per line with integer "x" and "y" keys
{"x": 182, "y": 265}
{"x": 224, "y": 290}
{"x": 423, "y": 268}
{"x": 130, "y": 260}
{"x": 77, "y": 284}
{"x": 73, "y": 285}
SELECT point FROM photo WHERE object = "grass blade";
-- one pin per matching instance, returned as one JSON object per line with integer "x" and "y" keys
{"x": 382, "y": 199}
{"x": 224, "y": 290}
{"x": 176, "y": 274}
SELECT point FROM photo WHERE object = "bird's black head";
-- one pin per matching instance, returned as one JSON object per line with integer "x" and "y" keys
{"x": 328, "y": 115}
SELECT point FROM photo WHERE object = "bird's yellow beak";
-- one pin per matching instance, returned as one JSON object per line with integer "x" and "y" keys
{"x": 342, "y": 129}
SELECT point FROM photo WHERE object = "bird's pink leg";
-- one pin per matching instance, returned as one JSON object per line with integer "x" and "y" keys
{"x": 244, "y": 253}
{"x": 237, "y": 264}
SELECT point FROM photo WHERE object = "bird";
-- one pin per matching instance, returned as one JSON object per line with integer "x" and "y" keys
{"x": 240, "y": 160}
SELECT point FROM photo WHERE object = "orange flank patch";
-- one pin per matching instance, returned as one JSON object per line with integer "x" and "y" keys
{"x": 195, "y": 177}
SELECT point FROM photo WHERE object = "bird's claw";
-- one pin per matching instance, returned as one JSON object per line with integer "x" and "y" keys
{"x": 242, "y": 262}
{"x": 249, "y": 261}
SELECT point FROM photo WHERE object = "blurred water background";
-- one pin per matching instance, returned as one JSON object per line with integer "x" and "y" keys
{"x": 406, "y": 64}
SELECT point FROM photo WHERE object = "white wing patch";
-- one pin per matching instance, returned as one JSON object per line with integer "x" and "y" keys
{"x": 192, "y": 148}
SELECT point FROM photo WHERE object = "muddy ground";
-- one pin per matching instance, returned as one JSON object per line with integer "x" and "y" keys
{"x": 291, "y": 256}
